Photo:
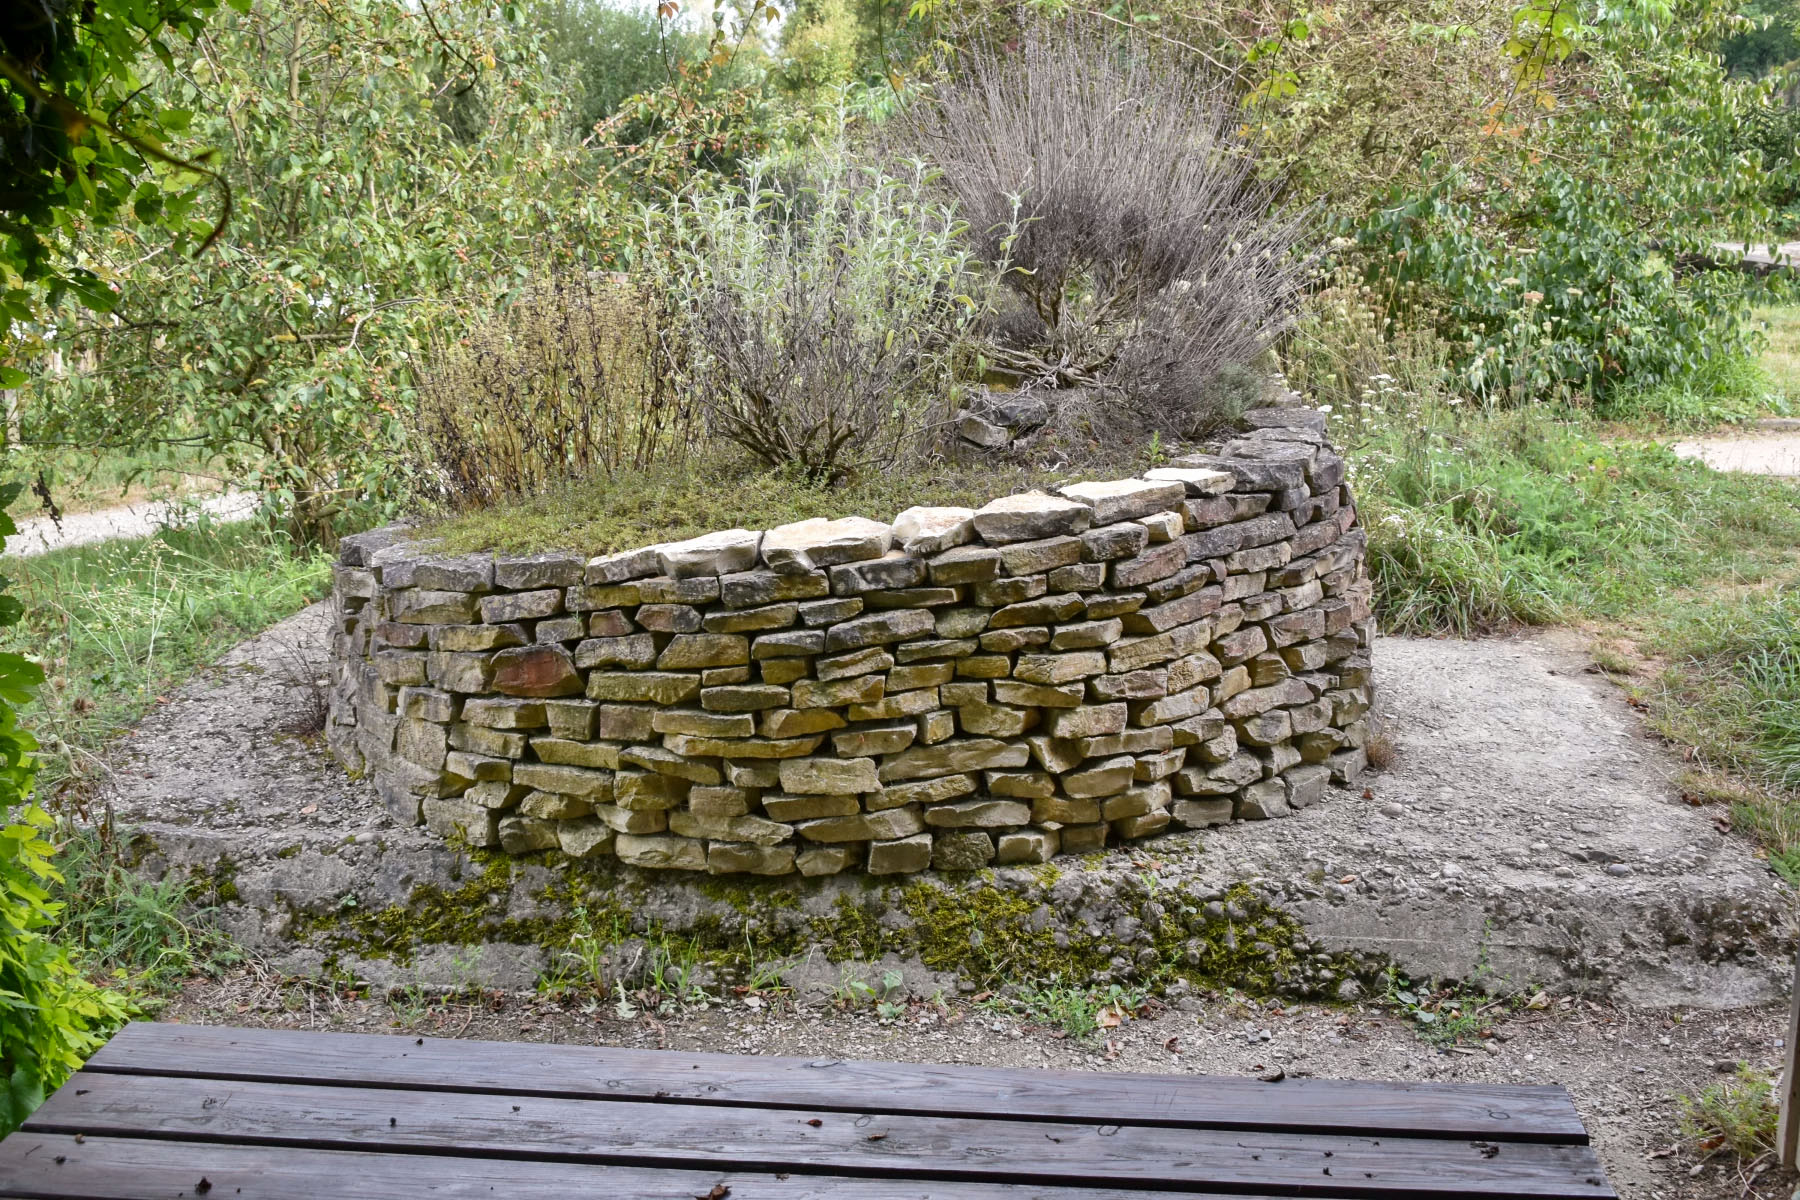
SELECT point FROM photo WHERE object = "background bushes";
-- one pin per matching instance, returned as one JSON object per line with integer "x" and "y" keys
{"x": 1115, "y": 194}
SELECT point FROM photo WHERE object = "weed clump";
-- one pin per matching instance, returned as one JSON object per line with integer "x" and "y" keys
{"x": 1737, "y": 1114}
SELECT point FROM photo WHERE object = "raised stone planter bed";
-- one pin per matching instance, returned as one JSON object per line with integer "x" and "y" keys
{"x": 1043, "y": 675}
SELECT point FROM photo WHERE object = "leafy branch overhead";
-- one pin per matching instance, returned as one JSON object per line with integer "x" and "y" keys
{"x": 82, "y": 143}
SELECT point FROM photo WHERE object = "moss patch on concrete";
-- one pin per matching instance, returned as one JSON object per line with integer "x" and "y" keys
{"x": 988, "y": 929}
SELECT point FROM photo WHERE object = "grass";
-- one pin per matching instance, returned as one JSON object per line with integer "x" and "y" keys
{"x": 118, "y": 624}
{"x": 141, "y": 936}
{"x": 1730, "y": 688}
{"x": 1781, "y": 357}
{"x": 85, "y": 480}
{"x": 1738, "y": 1114}
{"x": 1482, "y": 522}
{"x": 673, "y": 501}
{"x": 1075, "y": 1010}
{"x": 1728, "y": 390}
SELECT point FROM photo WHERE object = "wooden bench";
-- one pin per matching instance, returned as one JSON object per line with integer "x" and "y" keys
{"x": 176, "y": 1110}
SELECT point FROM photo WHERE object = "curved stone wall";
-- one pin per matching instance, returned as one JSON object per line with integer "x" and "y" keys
{"x": 1044, "y": 675}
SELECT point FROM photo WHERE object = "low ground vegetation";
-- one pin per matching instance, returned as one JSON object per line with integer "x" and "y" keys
{"x": 118, "y": 624}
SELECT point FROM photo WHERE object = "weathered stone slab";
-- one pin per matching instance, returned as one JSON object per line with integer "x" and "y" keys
{"x": 1197, "y": 481}
{"x": 952, "y": 758}
{"x": 828, "y": 776}
{"x": 1028, "y": 516}
{"x": 1126, "y": 499}
{"x": 622, "y": 568}
{"x": 922, "y": 531}
{"x": 661, "y": 853}
{"x": 647, "y": 687}
{"x": 711, "y": 554}
{"x": 805, "y": 546}
{"x": 753, "y": 588}
{"x": 521, "y": 573}
{"x": 901, "y": 856}
{"x": 879, "y": 629}
{"x": 536, "y": 671}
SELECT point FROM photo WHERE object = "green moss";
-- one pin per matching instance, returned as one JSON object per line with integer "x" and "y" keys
{"x": 976, "y": 929}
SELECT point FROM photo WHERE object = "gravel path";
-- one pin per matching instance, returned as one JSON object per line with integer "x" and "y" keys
{"x": 1753, "y": 453}
{"x": 39, "y": 535}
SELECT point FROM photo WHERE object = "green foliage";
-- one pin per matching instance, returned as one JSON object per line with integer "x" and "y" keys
{"x": 51, "y": 1018}
{"x": 1478, "y": 522}
{"x": 1443, "y": 1015}
{"x": 1726, "y": 389}
{"x": 1732, "y": 689}
{"x": 1738, "y": 1114}
{"x": 612, "y": 53}
{"x": 817, "y": 315}
{"x": 118, "y": 623}
{"x": 709, "y": 117}
{"x": 1077, "y": 1010}
{"x": 1545, "y": 286}
{"x": 385, "y": 159}
{"x": 819, "y": 41}
{"x": 150, "y": 934}
{"x": 1772, "y": 42}
{"x": 79, "y": 144}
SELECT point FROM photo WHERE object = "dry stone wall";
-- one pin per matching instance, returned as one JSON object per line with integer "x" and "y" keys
{"x": 1047, "y": 674}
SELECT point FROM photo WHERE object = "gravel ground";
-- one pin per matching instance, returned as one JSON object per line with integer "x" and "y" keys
{"x": 1626, "y": 1068}
{"x": 1754, "y": 452}
{"x": 1527, "y": 832}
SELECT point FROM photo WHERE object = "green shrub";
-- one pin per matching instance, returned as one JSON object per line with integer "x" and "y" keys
{"x": 1543, "y": 286}
{"x": 567, "y": 381}
{"x": 1726, "y": 388}
{"x": 817, "y": 315}
{"x": 1737, "y": 1114}
{"x": 51, "y": 1018}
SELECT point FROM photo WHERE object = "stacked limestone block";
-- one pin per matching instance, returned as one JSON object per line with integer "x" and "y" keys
{"x": 1051, "y": 673}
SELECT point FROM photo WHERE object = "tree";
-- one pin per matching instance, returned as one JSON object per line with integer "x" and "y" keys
{"x": 386, "y": 160}
{"x": 613, "y": 53}
{"x": 80, "y": 143}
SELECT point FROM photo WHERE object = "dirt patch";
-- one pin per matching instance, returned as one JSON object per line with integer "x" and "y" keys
{"x": 1626, "y": 1068}
{"x": 1754, "y": 453}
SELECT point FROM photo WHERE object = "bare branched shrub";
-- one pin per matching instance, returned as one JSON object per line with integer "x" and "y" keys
{"x": 1142, "y": 252}
{"x": 820, "y": 315}
{"x": 568, "y": 381}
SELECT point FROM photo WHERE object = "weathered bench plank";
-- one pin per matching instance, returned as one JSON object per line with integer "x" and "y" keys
{"x": 280, "y": 1115}
{"x": 700, "y": 1137}
{"x": 1452, "y": 1111}
{"x": 120, "y": 1167}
